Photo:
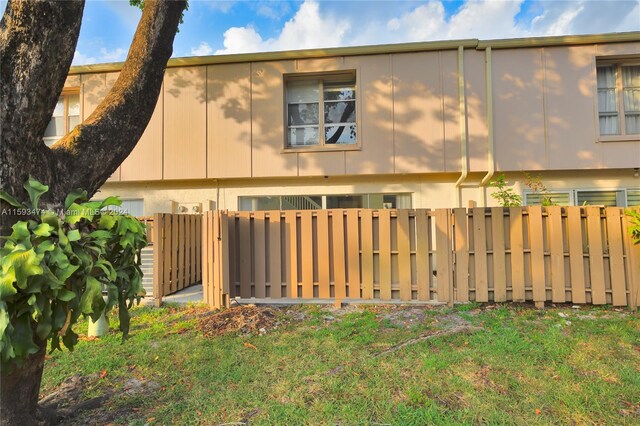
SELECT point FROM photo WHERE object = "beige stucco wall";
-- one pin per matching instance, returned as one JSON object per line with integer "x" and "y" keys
{"x": 427, "y": 191}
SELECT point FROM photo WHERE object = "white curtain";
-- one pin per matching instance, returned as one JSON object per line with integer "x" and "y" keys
{"x": 631, "y": 97}
{"x": 608, "y": 101}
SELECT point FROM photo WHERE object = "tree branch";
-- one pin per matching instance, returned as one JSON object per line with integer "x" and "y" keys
{"x": 37, "y": 43}
{"x": 90, "y": 153}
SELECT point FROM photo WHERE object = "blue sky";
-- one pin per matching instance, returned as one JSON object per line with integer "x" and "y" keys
{"x": 219, "y": 27}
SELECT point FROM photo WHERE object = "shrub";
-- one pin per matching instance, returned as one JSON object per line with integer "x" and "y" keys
{"x": 505, "y": 196}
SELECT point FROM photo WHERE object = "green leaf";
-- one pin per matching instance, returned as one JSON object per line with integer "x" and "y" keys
{"x": 21, "y": 234}
{"x": 22, "y": 337}
{"x": 70, "y": 339}
{"x": 76, "y": 212}
{"x": 107, "y": 268}
{"x": 107, "y": 221}
{"x": 25, "y": 264}
{"x": 74, "y": 235}
{"x": 91, "y": 300}
{"x": 7, "y": 278}
{"x": 74, "y": 196}
{"x": 65, "y": 295}
{"x": 4, "y": 317}
{"x": 101, "y": 235}
{"x": 50, "y": 218}
{"x": 12, "y": 201}
{"x": 35, "y": 190}
{"x": 45, "y": 246}
{"x": 43, "y": 230}
{"x": 111, "y": 201}
{"x": 63, "y": 274}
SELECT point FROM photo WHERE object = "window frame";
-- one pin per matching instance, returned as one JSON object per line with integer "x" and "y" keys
{"x": 622, "y": 134}
{"x": 322, "y": 77}
{"x": 622, "y": 200}
{"x": 66, "y": 93}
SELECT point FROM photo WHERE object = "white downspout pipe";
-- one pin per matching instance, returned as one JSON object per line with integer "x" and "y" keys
{"x": 464, "y": 158}
{"x": 490, "y": 154}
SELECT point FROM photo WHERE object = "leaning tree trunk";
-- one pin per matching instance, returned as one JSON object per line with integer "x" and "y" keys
{"x": 31, "y": 79}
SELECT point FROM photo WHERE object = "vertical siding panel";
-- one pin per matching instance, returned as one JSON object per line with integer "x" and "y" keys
{"x": 245, "y": 254}
{"x": 353, "y": 252}
{"x": 384, "y": 220}
{"x": 443, "y": 259}
{"x": 480, "y": 255}
{"x": 616, "y": 259}
{"x": 324, "y": 288}
{"x": 260, "y": 256}
{"x": 275, "y": 260}
{"x": 185, "y": 119}
{"x": 339, "y": 271}
{"x": 306, "y": 229}
{"x": 537, "y": 254}
{"x": 596, "y": 261}
{"x": 422, "y": 254}
{"x": 576, "y": 255}
{"x": 291, "y": 233}
{"x": 499, "y": 261}
{"x": 556, "y": 244}
{"x": 517, "y": 254}
{"x": 404, "y": 255}
{"x": 366, "y": 233}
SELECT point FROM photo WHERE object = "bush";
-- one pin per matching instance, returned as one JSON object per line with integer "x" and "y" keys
{"x": 505, "y": 196}
{"x": 55, "y": 266}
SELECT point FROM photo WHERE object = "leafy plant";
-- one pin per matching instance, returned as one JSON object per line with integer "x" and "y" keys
{"x": 55, "y": 266}
{"x": 537, "y": 187}
{"x": 634, "y": 229}
{"x": 506, "y": 196}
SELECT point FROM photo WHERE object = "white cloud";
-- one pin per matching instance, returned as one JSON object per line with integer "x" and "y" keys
{"x": 308, "y": 28}
{"x": 116, "y": 55}
{"x": 202, "y": 50}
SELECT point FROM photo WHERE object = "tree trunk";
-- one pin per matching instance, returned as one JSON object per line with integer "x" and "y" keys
{"x": 19, "y": 390}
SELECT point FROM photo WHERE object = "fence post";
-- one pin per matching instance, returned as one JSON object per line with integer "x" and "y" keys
{"x": 158, "y": 265}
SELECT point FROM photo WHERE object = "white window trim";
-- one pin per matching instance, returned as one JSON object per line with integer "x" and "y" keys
{"x": 322, "y": 77}
{"x": 50, "y": 140}
{"x": 622, "y": 135}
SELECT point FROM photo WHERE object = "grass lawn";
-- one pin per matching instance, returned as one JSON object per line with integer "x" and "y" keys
{"x": 514, "y": 365}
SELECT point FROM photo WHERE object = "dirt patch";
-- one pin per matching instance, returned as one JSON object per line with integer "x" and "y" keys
{"x": 244, "y": 320}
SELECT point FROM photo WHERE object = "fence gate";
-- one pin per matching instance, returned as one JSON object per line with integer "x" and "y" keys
{"x": 556, "y": 254}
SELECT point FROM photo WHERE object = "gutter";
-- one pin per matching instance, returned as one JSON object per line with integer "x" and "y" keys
{"x": 489, "y": 87}
{"x": 462, "y": 102}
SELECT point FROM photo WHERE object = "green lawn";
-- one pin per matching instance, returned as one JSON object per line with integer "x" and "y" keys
{"x": 324, "y": 366}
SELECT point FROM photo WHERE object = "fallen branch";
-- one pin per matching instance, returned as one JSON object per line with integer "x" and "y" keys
{"x": 462, "y": 329}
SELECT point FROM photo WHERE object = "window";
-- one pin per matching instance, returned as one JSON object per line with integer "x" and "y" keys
{"x": 321, "y": 111}
{"x": 316, "y": 202}
{"x": 557, "y": 198}
{"x": 65, "y": 117}
{"x": 633, "y": 197}
{"x": 619, "y": 99}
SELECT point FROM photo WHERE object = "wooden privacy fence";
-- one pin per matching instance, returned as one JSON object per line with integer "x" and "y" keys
{"x": 176, "y": 252}
{"x": 556, "y": 254}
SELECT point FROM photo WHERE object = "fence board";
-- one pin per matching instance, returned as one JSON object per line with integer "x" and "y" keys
{"x": 306, "y": 230}
{"x": 556, "y": 250}
{"x": 366, "y": 235}
{"x": 443, "y": 259}
{"x": 499, "y": 261}
{"x": 260, "y": 263}
{"x": 576, "y": 255}
{"x": 480, "y": 255}
{"x": 353, "y": 250}
{"x": 195, "y": 237}
{"x": 616, "y": 257}
{"x": 384, "y": 222}
{"x": 422, "y": 254}
{"x": 324, "y": 288}
{"x": 404, "y": 255}
{"x": 461, "y": 241}
{"x": 632, "y": 265}
{"x": 536, "y": 235}
{"x": 517, "y": 254}
{"x": 175, "y": 248}
{"x": 291, "y": 245}
{"x": 187, "y": 251}
{"x": 214, "y": 294}
{"x": 207, "y": 288}
{"x": 230, "y": 218}
{"x": 339, "y": 271}
{"x": 198, "y": 261}
{"x": 596, "y": 261}
{"x": 245, "y": 254}
{"x": 275, "y": 258}
{"x": 158, "y": 263}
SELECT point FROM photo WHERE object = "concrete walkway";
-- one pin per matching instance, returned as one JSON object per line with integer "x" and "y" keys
{"x": 191, "y": 294}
